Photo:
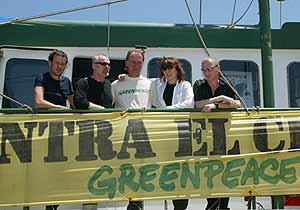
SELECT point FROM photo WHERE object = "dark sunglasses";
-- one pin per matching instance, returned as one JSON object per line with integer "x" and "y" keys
{"x": 208, "y": 69}
{"x": 102, "y": 63}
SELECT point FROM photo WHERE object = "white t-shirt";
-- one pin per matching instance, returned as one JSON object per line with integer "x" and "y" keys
{"x": 132, "y": 92}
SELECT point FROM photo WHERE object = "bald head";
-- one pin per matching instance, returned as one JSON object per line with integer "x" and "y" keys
{"x": 210, "y": 68}
{"x": 99, "y": 57}
{"x": 101, "y": 67}
{"x": 210, "y": 60}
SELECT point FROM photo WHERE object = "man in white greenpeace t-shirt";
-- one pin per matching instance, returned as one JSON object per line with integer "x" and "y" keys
{"x": 135, "y": 91}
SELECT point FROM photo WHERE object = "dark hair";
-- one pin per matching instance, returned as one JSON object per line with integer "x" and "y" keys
{"x": 168, "y": 63}
{"x": 139, "y": 51}
{"x": 57, "y": 53}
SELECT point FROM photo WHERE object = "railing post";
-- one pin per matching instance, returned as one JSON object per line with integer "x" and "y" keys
{"x": 277, "y": 202}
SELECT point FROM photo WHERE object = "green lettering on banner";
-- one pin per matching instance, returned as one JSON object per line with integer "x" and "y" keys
{"x": 166, "y": 177}
{"x": 288, "y": 175}
{"x": 251, "y": 171}
{"x": 214, "y": 167}
{"x": 228, "y": 176}
{"x": 127, "y": 178}
{"x": 187, "y": 174}
{"x": 274, "y": 166}
{"x": 104, "y": 186}
{"x": 148, "y": 173}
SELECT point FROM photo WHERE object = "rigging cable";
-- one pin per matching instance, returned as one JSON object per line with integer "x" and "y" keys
{"x": 17, "y": 102}
{"x": 108, "y": 28}
{"x": 233, "y": 12}
{"x": 197, "y": 30}
{"x": 17, "y": 20}
{"x": 240, "y": 18}
{"x": 200, "y": 12}
{"x": 209, "y": 55}
{"x": 280, "y": 13}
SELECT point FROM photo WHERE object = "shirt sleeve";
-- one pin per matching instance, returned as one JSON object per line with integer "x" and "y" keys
{"x": 154, "y": 95}
{"x": 230, "y": 93}
{"x": 39, "y": 80}
{"x": 70, "y": 88}
{"x": 187, "y": 97}
{"x": 80, "y": 94}
{"x": 113, "y": 93}
{"x": 198, "y": 95}
{"x": 107, "y": 93}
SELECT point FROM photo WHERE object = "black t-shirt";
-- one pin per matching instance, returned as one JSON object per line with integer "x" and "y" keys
{"x": 89, "y": 90}
{"x": 168, "y": 94}
{"x": 203, "y": 91}
{"x": 55, "y": 91}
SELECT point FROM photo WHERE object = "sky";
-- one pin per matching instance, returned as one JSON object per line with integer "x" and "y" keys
{"x": 156, "y": 11}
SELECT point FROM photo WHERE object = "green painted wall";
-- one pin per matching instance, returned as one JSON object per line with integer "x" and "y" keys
{"x": 94, "y": 34}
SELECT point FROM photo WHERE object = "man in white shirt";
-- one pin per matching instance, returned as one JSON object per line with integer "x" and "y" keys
{"x": 135, "y": 91}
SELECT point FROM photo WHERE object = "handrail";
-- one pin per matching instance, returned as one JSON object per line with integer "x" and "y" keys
{"x": 49, "y": 111}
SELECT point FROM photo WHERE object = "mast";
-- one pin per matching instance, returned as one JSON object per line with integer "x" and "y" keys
{"x": 267, "y": 69}
{"x": 266, "y": 52}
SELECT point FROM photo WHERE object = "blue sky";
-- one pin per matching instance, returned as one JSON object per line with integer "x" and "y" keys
{"x": 159, "y": 11}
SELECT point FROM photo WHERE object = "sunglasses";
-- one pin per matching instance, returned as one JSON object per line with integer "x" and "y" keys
{"x": 102, "y": 63}
{"x": 167, "y": 68}
{"x": 208, "y": 69}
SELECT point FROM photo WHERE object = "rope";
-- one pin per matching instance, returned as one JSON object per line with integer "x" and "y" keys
{"x": 197, "y": 30}
{"x": 17, "y": 102}
{"x": 235, "y": 92}
{"x": 17, "y": 20}
{"x": 209, "y": 54}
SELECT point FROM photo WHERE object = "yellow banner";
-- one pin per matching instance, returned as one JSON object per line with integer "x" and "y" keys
{"x": 94, "y": 157}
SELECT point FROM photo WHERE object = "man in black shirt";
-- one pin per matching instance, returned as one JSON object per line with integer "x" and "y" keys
{"x": 95, "y": 91}
{"x": 52, "y": 89}
{"x": 213, "y": 93}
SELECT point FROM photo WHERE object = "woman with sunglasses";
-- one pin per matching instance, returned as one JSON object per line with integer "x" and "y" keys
{"x": 172, "y": 90}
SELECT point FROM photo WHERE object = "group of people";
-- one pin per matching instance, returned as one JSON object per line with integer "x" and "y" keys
{"x": 169, "y": 91}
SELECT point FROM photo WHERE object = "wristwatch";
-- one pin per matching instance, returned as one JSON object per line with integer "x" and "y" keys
{"x": 217, "y": 105}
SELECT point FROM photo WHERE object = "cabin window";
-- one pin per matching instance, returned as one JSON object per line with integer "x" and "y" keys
{"x": 294, "y": 84}
{"x": 19, "y": 80}
{"x": 82, "y": 67}
{"x": 244, "y": 76}
{"x": 153, "y": 68}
